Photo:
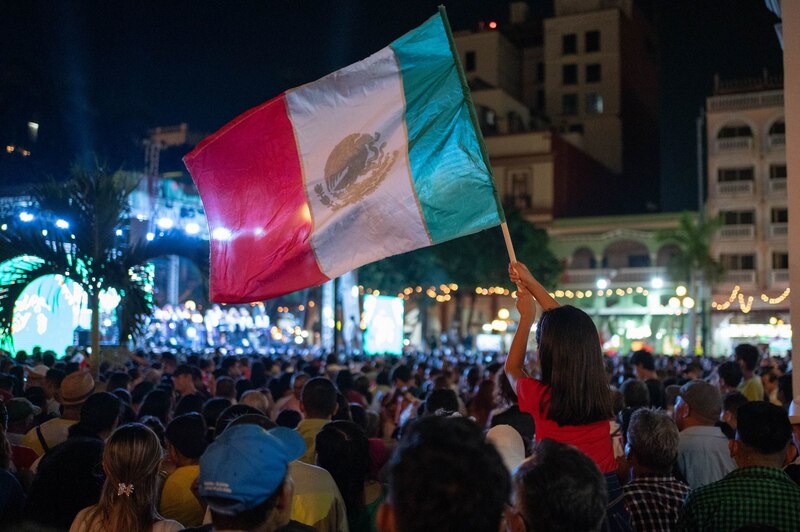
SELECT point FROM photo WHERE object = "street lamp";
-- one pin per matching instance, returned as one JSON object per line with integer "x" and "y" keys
{"x": 602, "y": 284}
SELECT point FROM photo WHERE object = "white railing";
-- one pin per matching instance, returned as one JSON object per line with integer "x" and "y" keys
{"x": 735, "y": 102}
{"x": 735, "y": 187}
{"x": 734, "y": 144}
{"x": 778, "y": 230}
{"x": 737, "y": 231}
{"x": 779, "y": 277}
{"x": 777, "y": 185}
{"x": 614, "y": 276}
{"x": 740, "y": 276}
{"x": 777, "y": 140}
{"x": 585, "y": 277}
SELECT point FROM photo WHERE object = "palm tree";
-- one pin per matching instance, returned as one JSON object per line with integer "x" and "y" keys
{"x": 694, "y": 262}
{"x": 77, "y": 234}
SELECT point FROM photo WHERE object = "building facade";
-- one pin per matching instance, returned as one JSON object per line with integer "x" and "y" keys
{"x": 747, "y": 191}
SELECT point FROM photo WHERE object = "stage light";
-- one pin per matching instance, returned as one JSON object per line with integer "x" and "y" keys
{"x": 602, "y": 284}
{"x": 26, "y": 216}
{"x": 165, "y": 223}
{"x": 192, "y": 228}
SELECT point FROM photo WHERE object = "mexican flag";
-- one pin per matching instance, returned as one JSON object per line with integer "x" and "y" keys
{"x": 379, "y": 158}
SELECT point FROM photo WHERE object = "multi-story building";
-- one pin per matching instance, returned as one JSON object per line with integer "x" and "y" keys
{"x": 589, "y": 73}
{"x": 747, "y": 191}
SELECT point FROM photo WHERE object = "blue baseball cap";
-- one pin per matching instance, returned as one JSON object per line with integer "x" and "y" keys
{"x": 246, "y": 464}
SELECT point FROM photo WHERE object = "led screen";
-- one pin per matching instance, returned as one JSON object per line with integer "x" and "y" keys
{"x": 383, "y": 317}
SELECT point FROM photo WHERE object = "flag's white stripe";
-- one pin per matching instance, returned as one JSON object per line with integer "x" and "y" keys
{"x": 362, "y": 99}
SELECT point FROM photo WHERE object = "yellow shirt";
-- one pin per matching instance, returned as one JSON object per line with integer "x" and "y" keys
{"x": 308, "y": 429}
{"x": 177, "y": 500}
{"x": 54, "y": 431}
{"x": 752, "y": 388}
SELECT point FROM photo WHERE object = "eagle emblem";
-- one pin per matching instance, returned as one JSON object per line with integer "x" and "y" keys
{"x": 354, "y": 169}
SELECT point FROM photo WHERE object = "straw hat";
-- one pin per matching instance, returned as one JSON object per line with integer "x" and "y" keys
{"x": 76, "y": 388}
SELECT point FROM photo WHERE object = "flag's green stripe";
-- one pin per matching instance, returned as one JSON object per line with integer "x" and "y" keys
{"x": 451, "y": 178}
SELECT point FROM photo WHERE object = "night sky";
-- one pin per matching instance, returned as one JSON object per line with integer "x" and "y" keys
{"x": 97, "y": 75}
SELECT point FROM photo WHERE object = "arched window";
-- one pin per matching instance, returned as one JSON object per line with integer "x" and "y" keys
{"x": 778, "y": 128}
{"x": 735, "y": 131}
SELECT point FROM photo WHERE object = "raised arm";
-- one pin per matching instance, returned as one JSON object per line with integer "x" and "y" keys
{"x": 522, "y": 277}
{"x": 515, "y": 362}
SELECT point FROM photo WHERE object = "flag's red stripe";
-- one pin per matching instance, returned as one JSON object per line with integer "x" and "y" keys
{"x": 250, "y": 180}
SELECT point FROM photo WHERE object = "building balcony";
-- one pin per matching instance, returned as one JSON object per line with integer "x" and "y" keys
{"x": 778, "y": 230}
{"x": 779, "y": 278}
{"x": 740, "y": 277}
{"x": 776, "y": 140}
{"x": 733, "y": 144}
{"x": 615, "y": 276}
{"x": 737, "y": 231}
{"x": 777, "y": 186}
{"x": 735, "y": 188}
{"x": 749, "y": 100}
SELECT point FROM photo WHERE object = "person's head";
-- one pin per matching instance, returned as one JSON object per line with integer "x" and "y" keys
{"x": 444, "y": 399}
{"x": 299, "y": 380}
{"x": 169, "y": 363}
{"x": 131, "y": 461}
{"x": 572, "y": 365}
{"x": 730, "y": 375}
{"x": 75, "y": 389}
{"x": 401, "y": 376}
{"x": 118, "y": 379}
{"x": 643, "y": 362}
{"x": 635, "y": 393}
{"x": 228, "y": 415}
{"x": 558, "y": 489}
{"x": 730, "y": 408}
{"x": 289, "y": 419}
{"x": 140, "y": 391}
{"x": 100, "y": 414}
{"x": 763, "y": 435}
{"x": 318, "y": 399}
{"x": 52, "y": 383}
{"x": 157, "y": 403}
{"x": 257, "y": 400}
{"x": 747, "y": 356}
{"x": 244, "y": 477}
{"x": 698, "y": 404}
{"x": 184, "y": 379}
{"x": 20, "y": 415}
{"x": 343, "y": 450}
{"x": 189, "y": 403}
{"x": 344, "y": 380}
{"x": 769, "y": 380}
{"x": 186, "y": 438}
{"x": 211, "y": 411}
{"x": 225, "y": 387}
{"x": 444, "y": 476}
{"x": 652, "y": 442}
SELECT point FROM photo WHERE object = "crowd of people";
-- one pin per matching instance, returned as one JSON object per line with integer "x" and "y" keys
{"x": 560, "y": 439}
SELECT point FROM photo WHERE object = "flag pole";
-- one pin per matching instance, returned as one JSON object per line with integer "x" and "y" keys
{"x": 476, "y": 125}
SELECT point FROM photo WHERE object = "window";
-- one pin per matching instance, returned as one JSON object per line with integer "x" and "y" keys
{"x": 738, "y": 262}
{"x": 469, "y": 64}
{"x": 730, "y": 132}
{"x": 725, "y": 175}
{"x": 488, "y": 120}
{"x": 540, "y": 100}
{"x": 569, "y": 44}
{"x": 569, "y": 104}
{"x": 780, "y": 260}
{"x": 592, "y": 41}
{"x": 780, "y": 216}
{"x": 777, "y": 171}
{"x": 575, "y": 128}
{"x": 594, "y": 103}
{"x": 778, "y": 128}
{"x": 540, "y": 72}
{"x": 593, "y": 73}
{"x": 737, "y": 217}
{"x": 519, "y": 189}
{"x": 569, "y": 74}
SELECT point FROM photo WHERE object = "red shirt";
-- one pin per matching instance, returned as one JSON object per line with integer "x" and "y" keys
{"x": 593, "y": 439}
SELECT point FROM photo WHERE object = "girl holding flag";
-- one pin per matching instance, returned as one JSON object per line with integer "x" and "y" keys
{"x": 571, "y": 402}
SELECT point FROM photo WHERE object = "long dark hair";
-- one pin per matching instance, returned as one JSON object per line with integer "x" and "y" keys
{"x": 343, "y": 449}
{"x": 572, "y": 366}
